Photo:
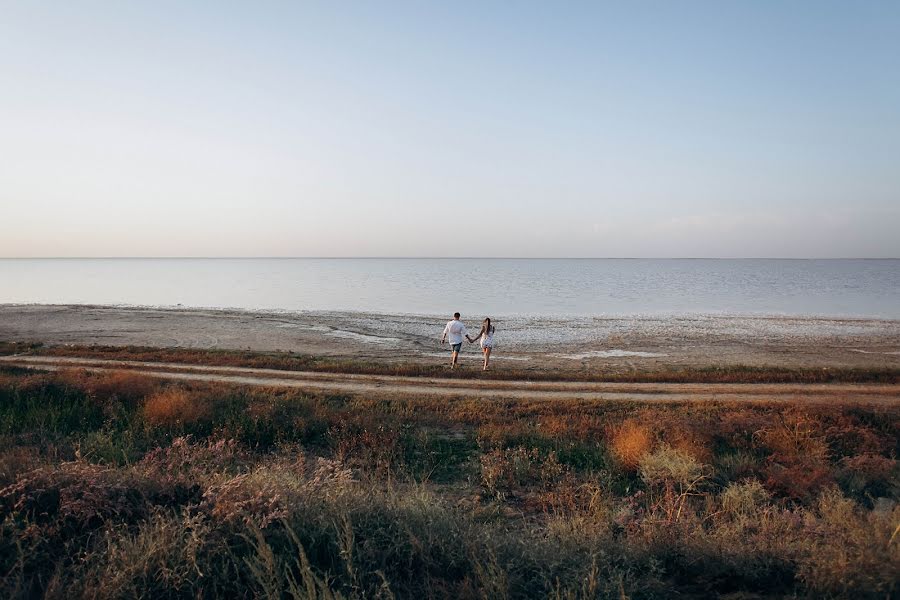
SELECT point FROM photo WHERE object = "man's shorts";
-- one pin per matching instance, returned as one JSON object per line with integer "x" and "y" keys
{"x": 455, "y": 347}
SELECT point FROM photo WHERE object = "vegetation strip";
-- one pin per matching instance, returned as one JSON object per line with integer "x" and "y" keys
{"x": 115, "y": 484}
{"x": 416, "y": 386}
{"x": 286, "y": 361}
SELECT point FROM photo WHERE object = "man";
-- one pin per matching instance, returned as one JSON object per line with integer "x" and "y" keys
{"x": 456, "y": 331}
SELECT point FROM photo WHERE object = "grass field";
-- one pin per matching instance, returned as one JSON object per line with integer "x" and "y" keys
{"x": 116, "y": 485}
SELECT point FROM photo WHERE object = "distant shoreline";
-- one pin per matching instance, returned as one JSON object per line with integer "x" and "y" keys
{"x": 645, "y": 315}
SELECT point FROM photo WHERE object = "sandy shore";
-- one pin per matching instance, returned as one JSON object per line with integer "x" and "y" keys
{"x": 616, "y": 343}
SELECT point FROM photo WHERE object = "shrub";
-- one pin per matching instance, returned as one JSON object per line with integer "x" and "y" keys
{"x": 174, "y": 407}
{"x": 798, "y": 466}
{"x": 160, "y": 558}
{"x": 673, "y": 478}
{"x": 741, "y": 499}
{"x": 667, "y": 465}
{"x": 503, "y": 471}
{"x": 73, "y": 498}
{"x": 630, "y": 441}
{"x": 796, "y": 439}
{"x": 691, "y": 441}
{"x": 187, "y": 462}
{"x": 17, "y": 460}
{"x": 798, "y": 481}
{"x": 268, "y": 493}
{"x": 870, "y": 475}
{"x": 847, "y": 551}
{"x": 122, "y": 386}
{"x": 737, "y": 465}
{"x": 373, "y": 448}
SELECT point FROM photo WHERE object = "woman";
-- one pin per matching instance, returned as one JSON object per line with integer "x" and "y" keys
{"x": 486, "y": 335}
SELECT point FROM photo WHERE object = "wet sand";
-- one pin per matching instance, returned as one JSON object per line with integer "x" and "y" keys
{"x": 609, "y": 343}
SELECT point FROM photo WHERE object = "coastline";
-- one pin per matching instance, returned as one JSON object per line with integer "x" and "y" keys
{"x": 617, "y": 343}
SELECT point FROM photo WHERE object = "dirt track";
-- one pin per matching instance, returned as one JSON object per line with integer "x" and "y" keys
{"x": 420, "y": 386}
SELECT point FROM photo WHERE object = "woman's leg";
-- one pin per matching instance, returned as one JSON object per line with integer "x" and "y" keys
{"x": 487, "y": 358}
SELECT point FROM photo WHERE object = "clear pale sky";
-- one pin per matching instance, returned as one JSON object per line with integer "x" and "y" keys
{"x": 450, "y": 129}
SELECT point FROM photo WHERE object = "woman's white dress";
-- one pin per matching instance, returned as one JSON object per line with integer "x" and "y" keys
{"x": 487, "y": 339}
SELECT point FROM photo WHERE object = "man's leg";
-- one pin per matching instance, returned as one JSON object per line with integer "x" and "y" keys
{"x": 453, "y": 358}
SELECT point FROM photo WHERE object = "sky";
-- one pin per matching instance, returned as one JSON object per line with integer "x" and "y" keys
{"x": 637, "y": 129}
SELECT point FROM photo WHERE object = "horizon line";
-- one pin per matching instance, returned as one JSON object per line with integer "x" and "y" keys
{"x": 450, "y": 257}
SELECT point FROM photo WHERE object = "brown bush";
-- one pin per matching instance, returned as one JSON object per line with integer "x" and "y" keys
{"x": 796, "y": 438}
{"x": 798, "y": 467}
{"x": 123, "y": 386}
{"x": 691, "y": 441}
{"x": 870, "y": 474}
{"x": 847, "y": 438}
{"x": 18, "y": 459}
{"x": 569, "y": 426}
{"x": 739, "y": 428}
{"x": 798, "y": 481}
{"x": 174, "y": 406}
{"x": 630, "y": 442}
{"x": 849, "y": 552}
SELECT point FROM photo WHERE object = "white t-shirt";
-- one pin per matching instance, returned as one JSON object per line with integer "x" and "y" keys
{"x": 455, "y": 331}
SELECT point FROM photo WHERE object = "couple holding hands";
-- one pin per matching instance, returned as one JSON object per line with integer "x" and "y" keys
{"x": 456, "y": 330}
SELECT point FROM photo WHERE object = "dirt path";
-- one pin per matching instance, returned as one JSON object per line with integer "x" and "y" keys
{"x": 419, "y": 386}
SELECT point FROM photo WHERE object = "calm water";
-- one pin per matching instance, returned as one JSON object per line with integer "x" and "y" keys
{"x": 553, "y": 287}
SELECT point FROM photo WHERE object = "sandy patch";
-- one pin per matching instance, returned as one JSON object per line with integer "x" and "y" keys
{"x": 478, "y": 356}
{"x": 614, "y": 353}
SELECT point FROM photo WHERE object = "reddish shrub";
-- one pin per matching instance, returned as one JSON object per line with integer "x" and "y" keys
{"x": 870, "y": 474}
{"x": 123, "y": 386}
{"x": 629, "y": 442}
{"x": 848, "y": 438}
{"x": 798, "y": 481}
{"x": 174, "y": 406}
{"x": 739, "y": 428}
{"x": 796, "y": 439}
{"x": 691, "y": 440}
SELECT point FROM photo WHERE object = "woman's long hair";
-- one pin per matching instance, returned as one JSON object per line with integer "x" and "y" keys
{"x": 486, "y": 327}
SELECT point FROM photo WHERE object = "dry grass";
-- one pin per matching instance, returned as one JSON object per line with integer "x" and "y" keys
{"x": 174, "y": 406}
{"x": 295, "y": 362}
{"x": 223, "y": 491}
{"x": 124, "y": 386}
{"x": 630, "y": 442}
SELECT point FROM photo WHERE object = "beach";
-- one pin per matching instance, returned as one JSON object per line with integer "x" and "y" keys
{"x": 617, "y": 343}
